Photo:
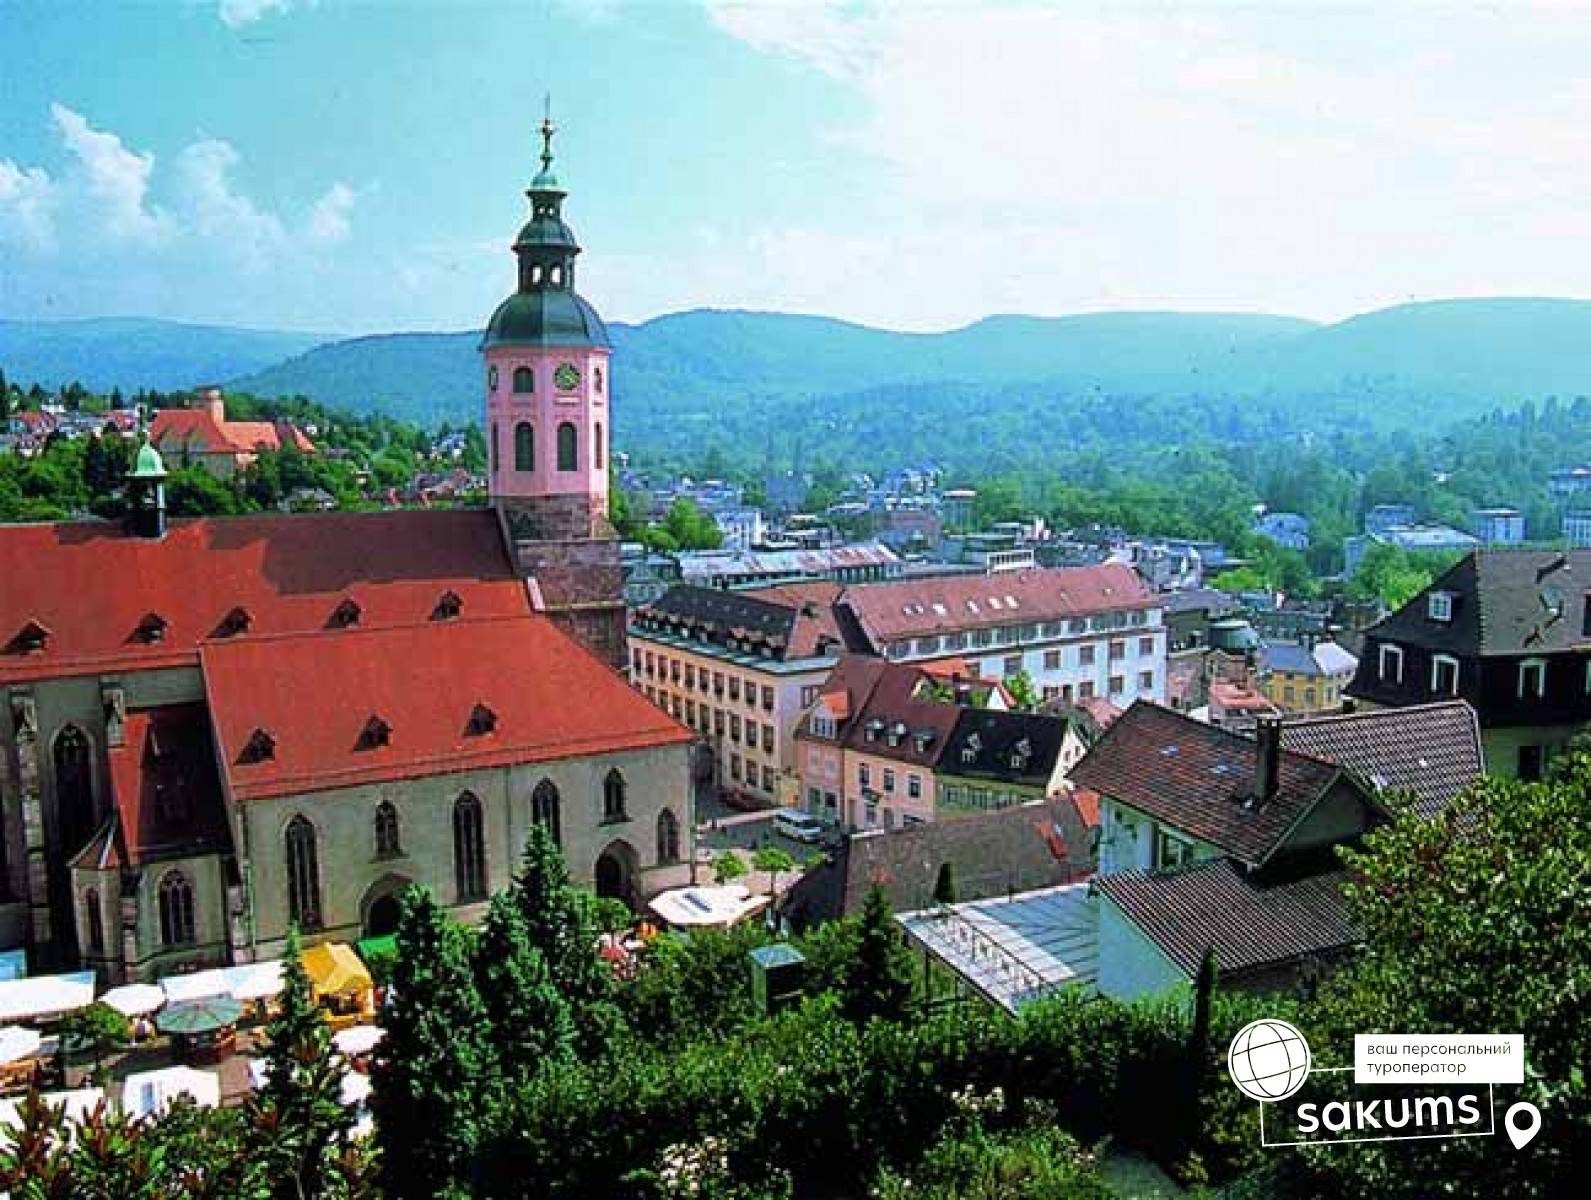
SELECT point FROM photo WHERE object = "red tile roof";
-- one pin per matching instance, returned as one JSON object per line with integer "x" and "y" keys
{"x": 1199, "y": 779}
{"x": 881, "y": 698}
{"x": 948, "y": 604}
{"x": 173, "y": 428}
{"x": 314, "y": 696}
{"x": 91, "y": 586}
{"x": 166, "y": 789}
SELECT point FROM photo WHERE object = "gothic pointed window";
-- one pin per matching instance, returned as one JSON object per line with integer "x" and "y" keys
{"x": 613, "y": 797}
{"x": 303, "y": 874}
{"x": 177, "y": 926}
{"x": 667, "y": 837}
{"x": 94, "y": 919}
{"x": 388, "y": 843}
{"x": 546, "y": 809}
{"x": 74, "y": 789}
{"x": 596, "y": 447}
{"x": 524, "y": 447}
{"x": 524, "y": 381}
{"x": 568, "y": 448}
{"x": 469, "y": 848}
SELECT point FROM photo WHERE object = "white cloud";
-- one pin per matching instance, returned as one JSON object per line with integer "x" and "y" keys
{"x": 116, "y": 177}
{"x": 328, "y": 220}
{"x": 1059, "y": 157}
{"x": 26, "y": 202}
{"x": 235, "y": 14}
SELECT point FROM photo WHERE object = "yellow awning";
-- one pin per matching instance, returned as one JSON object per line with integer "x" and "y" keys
{"x": 335, "y": 970}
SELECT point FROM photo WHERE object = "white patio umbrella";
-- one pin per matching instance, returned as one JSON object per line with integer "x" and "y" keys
{"x": 358, "y": 1039}
{"x": 355, "y": 1089}
{"x": 152, "y": 1091}
{"x": 17, "y": 1043}
{"x": 134, "y": 999}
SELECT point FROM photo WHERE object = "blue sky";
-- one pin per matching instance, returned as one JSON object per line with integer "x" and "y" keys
{"x": 357, "y": 167}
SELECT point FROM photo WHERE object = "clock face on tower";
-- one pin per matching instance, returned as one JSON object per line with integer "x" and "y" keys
{"x": 566, "y": 378}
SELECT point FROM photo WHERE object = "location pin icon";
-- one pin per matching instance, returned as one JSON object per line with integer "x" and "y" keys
{"x": 1529, "y": 1123}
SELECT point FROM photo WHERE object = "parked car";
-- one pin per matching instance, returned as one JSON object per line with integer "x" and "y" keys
{"x": 798, "y": 826}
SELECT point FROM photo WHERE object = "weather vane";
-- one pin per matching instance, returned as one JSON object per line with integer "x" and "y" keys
{"x": 547, "y": 130}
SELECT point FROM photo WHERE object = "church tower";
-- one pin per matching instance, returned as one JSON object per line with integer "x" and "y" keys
{"x": 547, "y": 385}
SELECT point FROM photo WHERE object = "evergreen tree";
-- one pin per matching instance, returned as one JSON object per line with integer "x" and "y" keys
{"x": 945, "y": 885}
{"x": 301, "y": 1101}
{"x": 880, "y": 985}
{"x": 531, "y": 1022}
{"x": 555, "y": 920}
{"x": 434, "y": 1074}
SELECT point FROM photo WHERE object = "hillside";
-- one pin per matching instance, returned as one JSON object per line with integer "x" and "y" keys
{"x": 132, "y": 353}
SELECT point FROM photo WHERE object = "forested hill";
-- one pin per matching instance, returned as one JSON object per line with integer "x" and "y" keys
{"x": 997, "y": 391}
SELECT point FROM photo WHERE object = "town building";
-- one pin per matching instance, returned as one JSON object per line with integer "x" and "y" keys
{"x": 741, "y": 528}
{"x": 212, "y": 728}
{"x": 1506, "y": 630}
{"x": 1415, "y": 539}
{"x": 647, "y": 574}
{"x": 1288, "y": 530}
{"x": 1382, "y": 517}
{"x": 1577, "y": 528}
{"x": 856, "y": 563}
{"x": 203, "y": 436}
{"x": 1569, "y": 481}
{"x": 1075, "y": 633}
{"x": 740, "y": 668}
{"x": 1498, "y": 526}
{"x": 1306, "y": 676}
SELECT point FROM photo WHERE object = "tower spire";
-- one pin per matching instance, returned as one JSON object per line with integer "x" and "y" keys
{"x": 547, "y": 130}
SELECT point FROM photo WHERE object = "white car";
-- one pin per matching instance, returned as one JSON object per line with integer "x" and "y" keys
{"x": 798, "y": 826}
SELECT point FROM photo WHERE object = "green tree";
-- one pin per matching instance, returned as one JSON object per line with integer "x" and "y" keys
{"x": 728, "y": 867}
{"x": 434, "y": 1076}
{"x": 945, "y": 885}
{"x": 531, "y": 1023}
{"x": 689, "y": 528}
{"x": 772, "y": 859}
{"x": 303, "y": 1087}
{"x": 1024, "y": 696}
{"x": 194, "y": 492}
{"x": 100, "y": 1028}
{"x": 880, "y": 985}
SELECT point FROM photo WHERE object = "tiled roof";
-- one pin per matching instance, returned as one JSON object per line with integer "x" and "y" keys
{"x": 1018, "y": 748}
{"x": 1251, "y": 924}
{"x": 1199, "y": 779}
{"x": 784, "y": 623}
{"x": 888, "y": 717}
{"x": 1431, "y": 750}
{"x": 90, "y": 587}
{"x": 1014, "y": 849}
{"x": 1505, "y": 602}
{"x": 947, "y": 604}
{"x": 173, "y": 428}
{"x": 166, "y": 789}
{"x": 1294, "y": 658}
{"x": 316, "y": 699}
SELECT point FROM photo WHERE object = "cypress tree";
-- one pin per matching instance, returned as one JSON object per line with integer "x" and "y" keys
{"x": 303, "y": 1086}
{"x": 880, "y": 986}
{"x": 945, "y": 885}
{"x": 434, "y": 1075}
{"x": 531, "y": 1022}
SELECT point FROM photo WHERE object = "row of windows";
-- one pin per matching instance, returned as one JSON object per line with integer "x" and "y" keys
{"x": 654, "y": 665}
{"x": 1530, "y": 683}
{"x": 525, "y": 379}
{"x": 568, "y": 447}
{"x": 1007, "y": 635}
{"x": 864, "y": 778}
{"x": 1116, "y": 687}
{"x": 749, "y": 771}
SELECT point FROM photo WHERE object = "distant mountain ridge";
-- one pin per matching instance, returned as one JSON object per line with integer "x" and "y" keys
{"x": 751, "y": 373}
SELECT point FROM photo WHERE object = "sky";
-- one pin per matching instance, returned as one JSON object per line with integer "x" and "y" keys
{"x": 349, "y": 166}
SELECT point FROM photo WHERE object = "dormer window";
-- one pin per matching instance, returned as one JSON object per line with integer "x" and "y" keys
{"x": 1439, "y": 606}
{"x": 1444, "y": 675}
{"x": 1391, "y": 664}
{"x": 448, "y": 607}
{"x": 32, "y": 638}
{"x": 152, "y": 628}
{"x": 345, "y": 615}
{"x": 260, "y": 747}
{"x": 376, "y": 733}
{"x": 235, "y": 622}
{"x": 482, "y": 721}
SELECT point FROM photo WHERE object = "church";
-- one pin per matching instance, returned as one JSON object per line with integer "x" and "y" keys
{"x": 213, "y": 729}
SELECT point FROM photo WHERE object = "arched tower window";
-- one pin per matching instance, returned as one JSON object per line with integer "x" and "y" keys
{"x": 667, "y": 836}
{"x": 524, "y": 381}
{"x": 94, "y": 918}
{"x": 176, "y": 910}
{"x": 388, "y": 843}
{"x": 568, "y": 448}
{"x": 546, "y": 808}
{"x": 496, "y": 464}
{"x": 596, "y": 446}
{"x": 613, "y": 797}
{"x": 469, "y": 848}
{"x": 524, "y": 447}
{"x": 74, "y": 789}
{"x": 596, "y": 379}
{"x": 303, "y": 874}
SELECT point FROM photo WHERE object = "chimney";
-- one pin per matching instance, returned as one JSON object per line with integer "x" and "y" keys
{"x": 210, "y": 400}
{"x": 1267, "y": 758}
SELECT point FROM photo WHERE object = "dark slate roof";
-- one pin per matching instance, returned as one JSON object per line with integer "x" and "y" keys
{"x": 784, "y": 623}
{"x": 1014, "y": 849}
{"x": 1199, "y": 779}
{"x": 1430, "y": 750}
{"x": 1252, "y": 924}
{"x": 545, "y": 317}
{"x": 1505, "y": 602}
{"x": 1293, "y": 658}
{"x": 1012, "y": 747}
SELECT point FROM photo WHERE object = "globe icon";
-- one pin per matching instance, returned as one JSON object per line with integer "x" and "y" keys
{"x": 1268, "y": 1060}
